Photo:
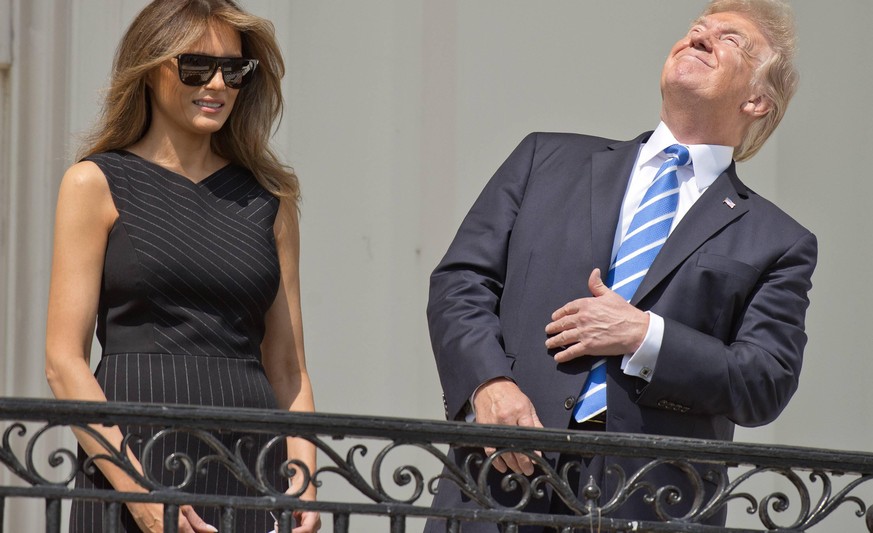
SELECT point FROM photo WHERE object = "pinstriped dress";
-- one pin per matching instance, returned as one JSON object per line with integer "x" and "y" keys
{"x": 189, "y": 273}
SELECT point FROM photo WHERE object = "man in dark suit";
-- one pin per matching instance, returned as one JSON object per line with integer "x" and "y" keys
{"x": 705, "y": 331}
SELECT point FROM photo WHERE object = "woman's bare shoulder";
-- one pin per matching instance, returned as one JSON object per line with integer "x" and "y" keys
{"x": 85, "y": 176}
{"x": 84, "y": 184}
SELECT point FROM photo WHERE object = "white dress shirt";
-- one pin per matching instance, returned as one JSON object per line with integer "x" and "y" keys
{"x": 708, "y": 161}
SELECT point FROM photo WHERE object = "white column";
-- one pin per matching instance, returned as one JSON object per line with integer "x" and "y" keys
{"x": 33, "y": 135}
{"x": 5, "y": 169}
{"x": 5, "y": 34}
{"x": 37, "y": 159}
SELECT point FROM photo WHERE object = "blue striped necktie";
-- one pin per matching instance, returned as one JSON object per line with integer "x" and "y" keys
{"x": 645, "y": 236}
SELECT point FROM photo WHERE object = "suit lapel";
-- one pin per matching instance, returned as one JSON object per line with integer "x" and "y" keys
{"x": 720, "y": 205}
{"x": 610, "y": 172}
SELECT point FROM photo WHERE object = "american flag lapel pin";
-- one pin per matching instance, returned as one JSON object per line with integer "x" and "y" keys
{"x": 728, "y": 202}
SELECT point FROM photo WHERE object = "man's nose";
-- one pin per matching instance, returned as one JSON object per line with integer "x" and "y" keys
{"x": 701, "y": 40}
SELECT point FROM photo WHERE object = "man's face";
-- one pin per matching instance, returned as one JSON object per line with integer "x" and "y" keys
{"x": 717, "y": 61}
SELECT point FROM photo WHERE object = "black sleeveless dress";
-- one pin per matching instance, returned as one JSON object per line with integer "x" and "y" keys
{"x": 190, "y": 271}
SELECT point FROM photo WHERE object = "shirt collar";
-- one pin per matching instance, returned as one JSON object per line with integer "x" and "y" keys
{"x": 708, "y": 160}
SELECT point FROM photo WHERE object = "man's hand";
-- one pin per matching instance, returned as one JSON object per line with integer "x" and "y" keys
{"x": 500, "y": 401}
{"x": 603, "y": 324}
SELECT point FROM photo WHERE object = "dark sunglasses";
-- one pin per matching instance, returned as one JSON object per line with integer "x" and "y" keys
{"x": 197, "y": 69}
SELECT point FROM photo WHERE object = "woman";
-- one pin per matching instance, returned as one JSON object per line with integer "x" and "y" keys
{"x": 178, "y": 231}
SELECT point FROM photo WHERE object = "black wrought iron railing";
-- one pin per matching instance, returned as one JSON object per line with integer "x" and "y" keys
{"x": 357, "y": 451}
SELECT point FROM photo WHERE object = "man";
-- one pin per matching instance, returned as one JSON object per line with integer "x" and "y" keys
{"x": 558, "y": 287}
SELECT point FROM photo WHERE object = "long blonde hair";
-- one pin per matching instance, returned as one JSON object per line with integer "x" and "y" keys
{"x": 166, "y": 28}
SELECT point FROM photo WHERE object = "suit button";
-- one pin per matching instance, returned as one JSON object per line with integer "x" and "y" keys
{"x": 569, "y": 402}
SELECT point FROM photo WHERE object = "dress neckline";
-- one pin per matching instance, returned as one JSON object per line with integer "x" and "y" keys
{"x": 175, "y": 174}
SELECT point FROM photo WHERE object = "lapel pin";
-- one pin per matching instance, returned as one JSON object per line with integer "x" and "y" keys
{"x": 728, "y": 202}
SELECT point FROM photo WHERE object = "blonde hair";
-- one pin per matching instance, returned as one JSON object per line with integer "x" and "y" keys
{"x": 778, "y": 74}
{"x": 166, "y": 28}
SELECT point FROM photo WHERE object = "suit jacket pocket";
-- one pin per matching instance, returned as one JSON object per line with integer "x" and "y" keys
{"x": 725, "y": 284}
{"x": 729, "y": 266}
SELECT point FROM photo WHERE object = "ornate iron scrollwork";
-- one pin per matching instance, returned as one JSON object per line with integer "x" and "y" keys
{"x": 811, "y": 500}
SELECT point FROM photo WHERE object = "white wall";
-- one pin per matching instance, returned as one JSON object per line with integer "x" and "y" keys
{"x": 397, "y": 113}
{"x": 5, "y": 64}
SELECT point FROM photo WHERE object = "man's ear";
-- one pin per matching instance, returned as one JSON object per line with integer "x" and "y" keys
{"x": 757, "y": 106}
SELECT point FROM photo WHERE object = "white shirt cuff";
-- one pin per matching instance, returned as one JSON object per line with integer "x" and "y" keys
{"x": 642, "y": 363}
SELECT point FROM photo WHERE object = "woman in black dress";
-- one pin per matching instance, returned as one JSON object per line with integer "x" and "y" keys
{"x": 178, "y": 233}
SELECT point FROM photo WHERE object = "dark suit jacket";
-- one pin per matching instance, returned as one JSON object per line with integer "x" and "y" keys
{"x": 731, "y": 283}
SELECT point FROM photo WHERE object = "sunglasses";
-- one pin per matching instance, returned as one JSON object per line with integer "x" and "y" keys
{"x": 197, "y": 69}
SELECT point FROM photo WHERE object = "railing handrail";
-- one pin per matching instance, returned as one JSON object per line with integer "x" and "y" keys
{"x": 65, "y": 412}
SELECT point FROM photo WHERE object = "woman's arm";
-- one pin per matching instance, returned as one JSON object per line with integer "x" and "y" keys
{"x": 282, "y": 350}
{"x": 85, "y": 215}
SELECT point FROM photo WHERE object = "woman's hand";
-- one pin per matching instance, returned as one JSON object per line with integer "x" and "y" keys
{"x": 150, "y": 519}
{"x": 307, "y": 521}
{"x": 304, "y": 521}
